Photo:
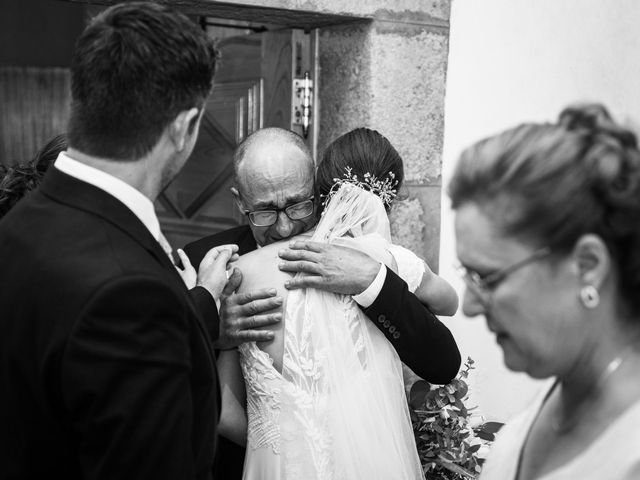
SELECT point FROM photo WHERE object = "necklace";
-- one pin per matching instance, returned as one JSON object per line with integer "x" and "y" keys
{"x": 559, "y": 426}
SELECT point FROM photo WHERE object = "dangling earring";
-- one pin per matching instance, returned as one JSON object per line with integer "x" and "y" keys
{"x": 589, "y": 296}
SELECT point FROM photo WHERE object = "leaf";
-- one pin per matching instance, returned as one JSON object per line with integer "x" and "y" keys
{"x": 414, "y": 416}
{"x": 474, "y": 448}
{"x": 418, "y": 393}
{"x": 490, "y": 427}
{"x": 447, "y": 457}
{"x": 456, "y": 469}
{"x": 489, "y": 437}
{"x": 487, "y": 431}
{"x": 463, "y": 389}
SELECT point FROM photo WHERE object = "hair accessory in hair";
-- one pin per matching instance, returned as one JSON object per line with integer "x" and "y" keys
{"x": 383, "y": 188}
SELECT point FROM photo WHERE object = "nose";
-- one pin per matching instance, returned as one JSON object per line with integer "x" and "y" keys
{"x": 284, "y": 225}
{"x": 472, "y": 304}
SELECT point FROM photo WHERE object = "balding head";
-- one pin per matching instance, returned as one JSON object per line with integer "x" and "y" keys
{"x": 273, "y": 169}
{"x": 267, "y": 139}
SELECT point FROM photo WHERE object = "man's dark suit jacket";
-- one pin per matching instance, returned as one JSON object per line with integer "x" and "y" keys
{"x": 106, "y": 367}
{"x": 424, "y": 344}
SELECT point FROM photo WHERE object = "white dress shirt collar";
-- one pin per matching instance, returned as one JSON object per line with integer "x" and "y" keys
{"x": 133, "y": 199}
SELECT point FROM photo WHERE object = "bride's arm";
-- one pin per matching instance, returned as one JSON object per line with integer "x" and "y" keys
{"x": 435, "y": 292}
{"x": 233, "y": 417}
{"x": 432, "y": 290}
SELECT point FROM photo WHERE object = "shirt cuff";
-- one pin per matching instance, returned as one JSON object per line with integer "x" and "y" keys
{"x": 366, "y": 298}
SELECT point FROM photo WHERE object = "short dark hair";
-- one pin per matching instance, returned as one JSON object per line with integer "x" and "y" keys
{"x": 135, "y": 67}
{"x": 548, "y": 184}
{"x": 363, "y": 151}
{"x": 18, "y": 180}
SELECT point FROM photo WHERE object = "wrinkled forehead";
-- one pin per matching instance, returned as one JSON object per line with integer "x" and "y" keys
{"x": 275, "y": 174}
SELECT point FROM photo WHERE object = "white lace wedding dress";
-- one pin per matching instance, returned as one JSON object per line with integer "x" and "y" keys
{"x": 338, "y": 408}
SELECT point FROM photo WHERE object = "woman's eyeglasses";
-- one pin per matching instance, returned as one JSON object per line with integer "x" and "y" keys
{"x": 483, "y": 286}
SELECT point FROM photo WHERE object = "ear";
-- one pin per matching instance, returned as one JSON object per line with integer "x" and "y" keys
{"x": 183, "y": 127}
{"x": 592, "y": 259}
{"x": 237, "y": 199}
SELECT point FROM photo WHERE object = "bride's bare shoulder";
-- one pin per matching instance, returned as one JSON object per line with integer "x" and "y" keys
{"x": 266, "y": 255}
{"x": 260, "y": 256}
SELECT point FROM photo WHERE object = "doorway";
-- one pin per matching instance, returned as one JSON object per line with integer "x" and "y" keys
{"x": 253, "y": 88}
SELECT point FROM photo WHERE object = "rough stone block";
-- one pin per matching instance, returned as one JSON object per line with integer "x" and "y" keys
{"x": 393, "y": 81}
{"x": 415, "y": 222}
{"x": 344, "y": 81}
{"x": 408, "y": 73}
{"x": 407, "y": 225}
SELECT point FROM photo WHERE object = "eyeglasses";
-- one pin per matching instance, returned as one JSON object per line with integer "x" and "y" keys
{"x": 483, "y": 286}
{"x": 266, "y": 218}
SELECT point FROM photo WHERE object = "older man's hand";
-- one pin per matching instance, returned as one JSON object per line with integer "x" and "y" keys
{"x": 241, "y": 314}
{"x": 332, "y": 268}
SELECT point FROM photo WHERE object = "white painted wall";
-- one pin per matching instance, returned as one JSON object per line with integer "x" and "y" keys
{"x": 524, "y": 60}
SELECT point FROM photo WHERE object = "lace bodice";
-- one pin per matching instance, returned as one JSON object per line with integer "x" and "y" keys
{"x": 288, "y": 412}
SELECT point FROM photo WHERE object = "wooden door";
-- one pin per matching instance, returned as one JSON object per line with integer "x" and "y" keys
{"x": 252, "y": 89}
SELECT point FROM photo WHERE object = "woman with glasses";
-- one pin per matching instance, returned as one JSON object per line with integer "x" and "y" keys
{"x": 548, "y": 235}
{"x": 326, "y": 398}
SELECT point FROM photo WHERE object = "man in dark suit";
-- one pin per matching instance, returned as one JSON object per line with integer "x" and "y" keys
{"x": 107, "y": 366}
{"x": 274, "y": 177}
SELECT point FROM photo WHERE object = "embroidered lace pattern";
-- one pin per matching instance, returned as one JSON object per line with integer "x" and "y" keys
{"x": 263, "y": 384}
{"x": 288, "y": 412}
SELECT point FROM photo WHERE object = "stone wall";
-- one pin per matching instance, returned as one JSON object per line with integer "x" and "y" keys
{"x": 388, "y": 73}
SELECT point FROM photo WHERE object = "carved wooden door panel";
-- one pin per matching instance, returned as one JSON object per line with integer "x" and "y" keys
{"x": 252, "y": 89}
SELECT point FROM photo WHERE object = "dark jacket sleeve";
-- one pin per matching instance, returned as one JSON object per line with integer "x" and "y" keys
{"x": 207, "y": 307}
{"x": 422, "y": 341}
{"x": 126, "y": 377}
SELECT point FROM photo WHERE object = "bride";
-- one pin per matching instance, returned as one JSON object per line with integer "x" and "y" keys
{"x": 325, "y": 399}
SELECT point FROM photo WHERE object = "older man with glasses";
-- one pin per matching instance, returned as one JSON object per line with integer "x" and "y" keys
{"x": 274, "y": 177}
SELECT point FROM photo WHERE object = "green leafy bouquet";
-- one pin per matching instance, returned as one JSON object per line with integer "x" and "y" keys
{"x": 450, "y": 448}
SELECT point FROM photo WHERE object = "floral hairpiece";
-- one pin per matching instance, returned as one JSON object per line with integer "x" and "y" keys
{"x": 383, "y": 188}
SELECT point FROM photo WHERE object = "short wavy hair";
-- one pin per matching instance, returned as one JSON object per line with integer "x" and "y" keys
{"x": 135, "y": 68}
